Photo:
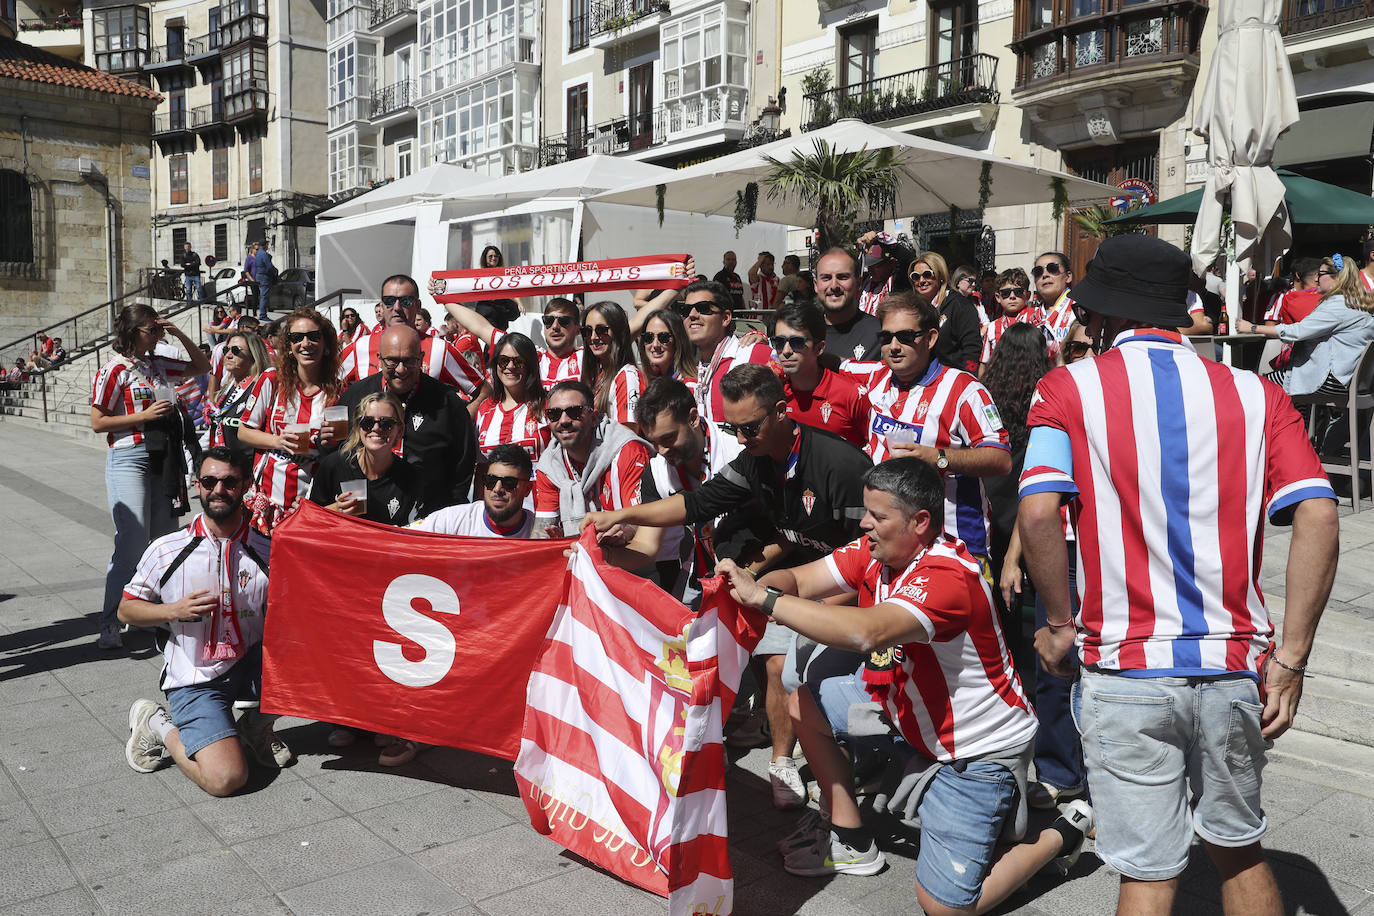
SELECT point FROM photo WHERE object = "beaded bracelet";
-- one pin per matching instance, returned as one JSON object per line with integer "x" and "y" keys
{"x": 1299, "y": 669}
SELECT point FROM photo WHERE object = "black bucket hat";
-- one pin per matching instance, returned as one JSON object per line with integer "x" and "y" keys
{"x": 1140, "y": 278}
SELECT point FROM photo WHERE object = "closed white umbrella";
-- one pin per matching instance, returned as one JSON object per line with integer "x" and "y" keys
{"x": 1247, "y": 101}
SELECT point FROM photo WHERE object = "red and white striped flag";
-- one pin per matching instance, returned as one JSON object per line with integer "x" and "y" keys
{"x": 621, "y": 759}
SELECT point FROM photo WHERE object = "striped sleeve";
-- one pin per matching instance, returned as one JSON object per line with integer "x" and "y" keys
{"x": 256, "y": 411}
{"x": 848, "y": 565}
{"x": 1293, "y": 471}
{"x": 108, "y": 392}
{"x": 979, "y": 420}
{"x": 172, "y": 369}
{"x": 626, "y": 388}
{"x": 1048, "y": 465}
{"x": 453, "y": 369}
{"x": 349, "y": 370}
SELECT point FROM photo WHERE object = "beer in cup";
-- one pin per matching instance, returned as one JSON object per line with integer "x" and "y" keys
{"x": 299, "y": 436}
{"x": 358, "y": 489}
{"x": 200, "y": 580}
{"x": 336, "y": 418}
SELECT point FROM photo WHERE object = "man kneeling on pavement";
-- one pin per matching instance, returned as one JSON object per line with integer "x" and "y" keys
{"x": 953, "y": 696}
{"x": 205, "y": 590}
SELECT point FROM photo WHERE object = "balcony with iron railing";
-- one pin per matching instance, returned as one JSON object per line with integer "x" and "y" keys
{"x": 1322, "y": 34}
{"x": 962, "y": 81}
{"x": 59, "y": 33}
{"x": 392, "y": 103}
{"x": 391, "y": 16}
{"x": 245, "y": 100}
{"x": 1301, "y": 16}
{"x": 204, "y": 50}
{"x": 172, "y": 55}
{"x": 613, "y": 21}
{"x": 716, "y": 116}
{"x": 168, "y": 124}
{"x": 208, "y": 118}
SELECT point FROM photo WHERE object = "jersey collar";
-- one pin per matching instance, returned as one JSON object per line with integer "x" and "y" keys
{"x": 1152, "y": 335}
{"x": 497, "y": 529}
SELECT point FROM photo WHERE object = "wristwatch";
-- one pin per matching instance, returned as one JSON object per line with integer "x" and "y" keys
{"x": 942, "y": 462}
{"x": 774, "y": 593}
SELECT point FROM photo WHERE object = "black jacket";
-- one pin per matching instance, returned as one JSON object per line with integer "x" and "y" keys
{"x": 961, "y": 341}
{"x": 818, "y": 509}
{"x": 392, "y": 499}
{"x": 443, "y": 446}
{"x": 190, "y": 263}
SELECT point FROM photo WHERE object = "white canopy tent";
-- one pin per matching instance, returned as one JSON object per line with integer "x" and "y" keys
{"x": 935, "y": 176}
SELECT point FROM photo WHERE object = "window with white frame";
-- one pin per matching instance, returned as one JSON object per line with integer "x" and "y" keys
{"x": 352, "y": 76}
{"x": 352, "y": 162}
{"x": 705, "y": 70}
{"x": 405, "y": 158}
{"x": 462, "y": 40}
{"x": 346, "y": 17}
{"x": 488, "y": 126}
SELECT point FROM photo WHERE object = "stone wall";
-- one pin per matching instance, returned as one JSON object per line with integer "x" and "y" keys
{"x": 86, "y": 157}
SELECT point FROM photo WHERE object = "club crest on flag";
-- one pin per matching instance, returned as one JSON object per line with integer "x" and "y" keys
{"x": 393, "y": 506}
{"x": 808, "y": 501}
{"x": 437, "y": 286}
{"x": 826, "y": 410}
{"x": 673, "y": 664}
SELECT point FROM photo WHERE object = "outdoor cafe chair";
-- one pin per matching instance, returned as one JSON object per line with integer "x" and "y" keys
{"x": 1360, "y": 397}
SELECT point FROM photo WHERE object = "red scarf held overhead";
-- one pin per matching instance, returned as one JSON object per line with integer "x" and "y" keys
{"x": 660, "y": 271}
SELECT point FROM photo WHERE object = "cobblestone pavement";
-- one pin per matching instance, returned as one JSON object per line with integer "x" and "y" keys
{"x": 82, "y": 833}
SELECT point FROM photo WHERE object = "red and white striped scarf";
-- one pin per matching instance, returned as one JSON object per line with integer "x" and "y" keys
{"x": 660, "y": 271}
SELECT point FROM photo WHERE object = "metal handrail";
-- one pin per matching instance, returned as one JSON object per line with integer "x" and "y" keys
{"x": 939, "y": 86}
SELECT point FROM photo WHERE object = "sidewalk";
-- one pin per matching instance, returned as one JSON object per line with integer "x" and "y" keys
{"x": 80, "y": 832}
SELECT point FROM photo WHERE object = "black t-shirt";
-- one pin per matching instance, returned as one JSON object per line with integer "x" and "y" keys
{"x": 856, "y": 338}
{"x": 960, "y": 344}
{"x": 392, "y": 499}
{"x": 733, "y": 283}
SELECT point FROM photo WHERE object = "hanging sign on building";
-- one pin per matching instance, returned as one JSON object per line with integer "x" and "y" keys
{"x": 1140, "y": 187}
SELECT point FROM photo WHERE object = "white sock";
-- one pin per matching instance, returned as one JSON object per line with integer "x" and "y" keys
{"x": 161, "y": 724}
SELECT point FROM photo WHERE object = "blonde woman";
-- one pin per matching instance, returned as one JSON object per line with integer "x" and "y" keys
{"x": 245, "y": 359}
{"x": 961, "y": 339}
{"x": 1328, "y": 343}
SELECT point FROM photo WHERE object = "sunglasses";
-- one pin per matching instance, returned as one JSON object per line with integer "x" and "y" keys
{"x": 209, "y": 482}
{"x": 154, "y": 329}
{"x": 556, "y": 413}
{"x": 1054, "y": 268}
{"x": 404, "y": 302}
{"x": 907, "y": 337}
{"x": 509, "y": 362}
{"x": 664, "y": 338}
{"x": 296, "y": 337}
{"x": 922, "y": 275}
{"x": 236, "y": 351}
{"x": 701, "y": 308}
{"x": 1080, "y": 313}
{"x": 797, "y": 343}
{"x": 368, "y": 424}
{"x": 750, "y": 430}
{"x": 563, "y": 321}
{"x": 1327, "y": 273}
{"x": 1012, "y": 292}
{"x": 1077, "y": 348}
{"x": 392, "y": 362}
{"x": 597, "y": 330}
{"x": 506, "y": 483}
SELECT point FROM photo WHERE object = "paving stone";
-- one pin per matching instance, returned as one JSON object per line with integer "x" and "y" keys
{"x": 34, "y": 870}
{"x": 312, "y": 852}
{"x": 414, "y": 824}
{"x": 356, "y": 790}
{"x": 110, "y": 801}
{"x": 395, "y": 886}
{"x": 287, "y": 804}
{"x": 593, "y": 891}
{"x": 205, "y": 882}
{"x": 74, "y": 901}
{"x": 136, "y": 843}
{"x": 19, "y": 826}
{"x": 496, "y": 862}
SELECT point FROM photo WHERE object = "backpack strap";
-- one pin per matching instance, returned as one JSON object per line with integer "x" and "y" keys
{"x": 180, "y": 558}
{"x": 255, "y": 557}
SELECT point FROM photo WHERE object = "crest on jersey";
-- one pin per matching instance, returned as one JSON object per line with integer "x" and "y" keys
{"x": 858, "y": 351}
{"x": 921, "y": 407}
{"x": 531, "y": 427}
{"x": 416, "y": 420}
{"x": 394, "y": 506}
{"x": 826, "y": 410}
{"x": 808, "y": 501}
{"x": 243, "y": 579}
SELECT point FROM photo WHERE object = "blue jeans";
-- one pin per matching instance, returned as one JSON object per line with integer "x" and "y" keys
{"x": 962, "y": 813}
{"x": 193, "y": 288}
{"x": 1058, "y": 750}
{"x": 263, "y": 289}
{"x": 1153, "y": 745}
{"x": 141, "y": 514}
{"x": 204, "y": 713}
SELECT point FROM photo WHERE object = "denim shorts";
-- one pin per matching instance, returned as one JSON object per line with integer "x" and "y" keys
{"x": 962, "y": 814}
{"x": 204, "y": 713}
{"x": 836, "y": 695}
{"x": 776, "y": 639}
{"x": 1151, "y": 745}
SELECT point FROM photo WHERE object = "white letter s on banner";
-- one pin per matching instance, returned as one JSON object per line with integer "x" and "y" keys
{"x": 436, "y": 639}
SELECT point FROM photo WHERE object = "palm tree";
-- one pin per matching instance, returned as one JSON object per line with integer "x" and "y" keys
{"x": 838, "y": 185}
{"x": 1093, "y": 221}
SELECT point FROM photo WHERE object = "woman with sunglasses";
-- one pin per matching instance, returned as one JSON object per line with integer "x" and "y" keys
{"x": 665, "y": 351}
{"x": 245, "y": 358}
{"x": 961, "y": 335}
{"x": 350, "y": 327}
{"x": 1328, "y": 343}
{"x": 287, "y": 398}
{"x": 560, "y": 359}
{"x": 608, "y": 366}
{"x": 1014, "y": 296}
{"x": 964, "y": 281}
{"x": 133, "y": 404}
{"x": 515, "y": 412}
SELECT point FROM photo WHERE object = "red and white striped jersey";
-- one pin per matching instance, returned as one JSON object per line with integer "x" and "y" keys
{"x": 711, "y": 404}
{"x": 124, "y": 386}
{"x": 1031, "y": 314}
{"x": 626, "y": 388}
{"x": 521, "y": 425}
{"x": 946, "y": 408}
{"x": 215, "y": 563}
{"x": 1175, "y": 461}
{"x": 471, "y": 520}
{"x": 956, "y": 693}
{"x": 1366, "y": 278}
{"x": 283, "y": 478}
{"x": 764, "y": 290}
{"x": 442, "y": 361}
{"x": 1293, "y": 306}
{"x": 1059, "y": 318}
{"x": 619, "y": 487}
{"x": 552, "y": 369}
{"x": 871, "y": 294}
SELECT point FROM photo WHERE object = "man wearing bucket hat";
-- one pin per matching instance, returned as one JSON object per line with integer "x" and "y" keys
{"x": 1170, "y": 463}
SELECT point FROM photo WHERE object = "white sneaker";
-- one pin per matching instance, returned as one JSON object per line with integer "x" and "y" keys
{"x": 144, "y": 750}
{"x": 811, "y": 827}
{"x": 789, "y": 790}
{"x": 1045, "y": 797}
{"x": 829, "y": 856}
{"x": 1079, "y": 815}
{"x": 110, "y": 639}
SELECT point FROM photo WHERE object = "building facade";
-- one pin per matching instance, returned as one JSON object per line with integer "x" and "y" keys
{"x": 240, "y": 132}
{"x": 75, "y": 200}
